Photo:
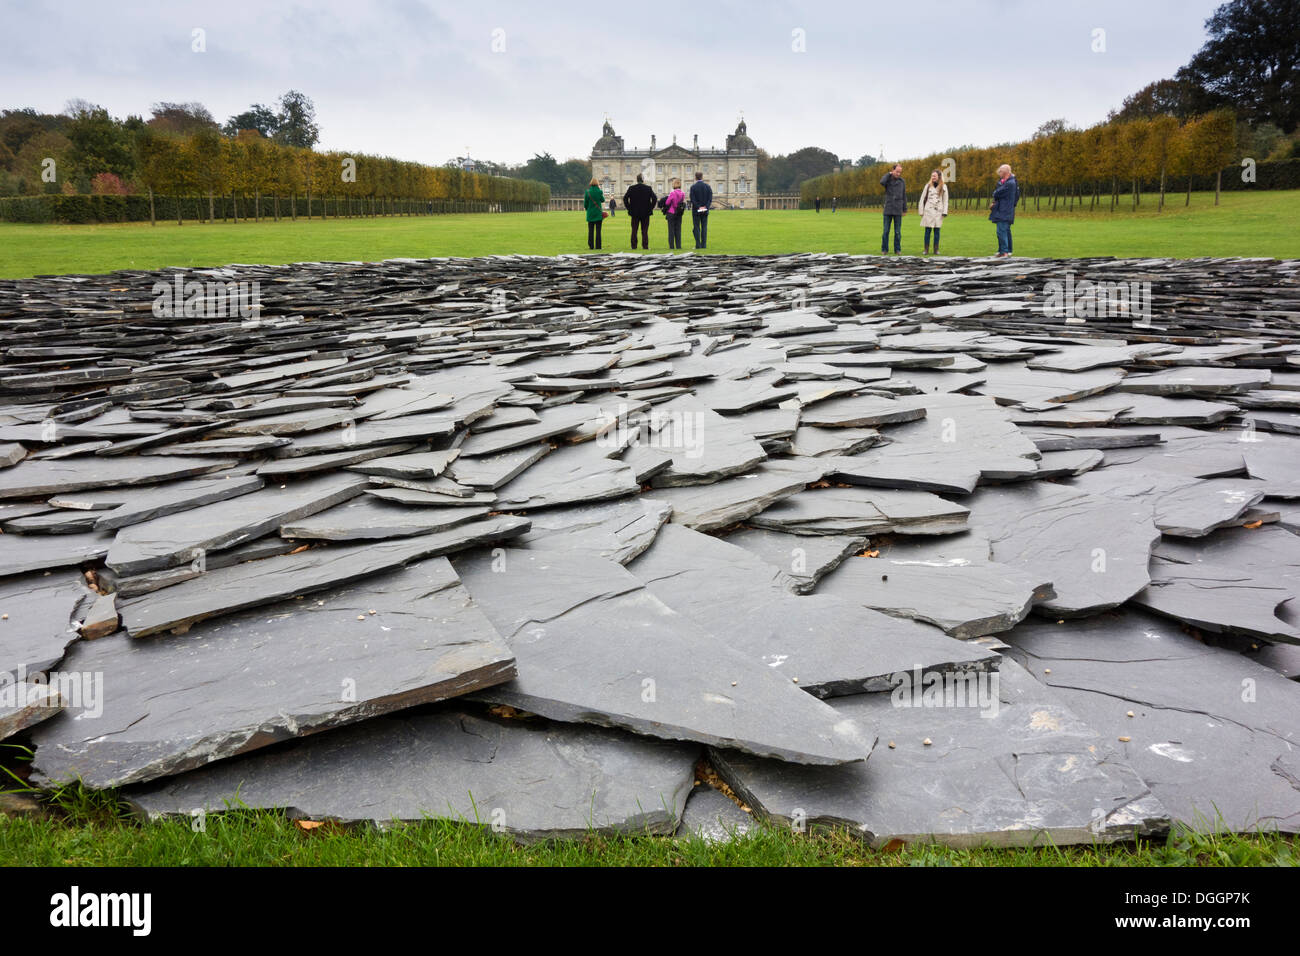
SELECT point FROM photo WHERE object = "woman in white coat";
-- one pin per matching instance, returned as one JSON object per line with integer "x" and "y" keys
{"x": 933, "y": 206}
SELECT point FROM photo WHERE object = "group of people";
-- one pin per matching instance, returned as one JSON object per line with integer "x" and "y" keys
{"x": 640, "y": 203}
{"x": 933, "y": 207}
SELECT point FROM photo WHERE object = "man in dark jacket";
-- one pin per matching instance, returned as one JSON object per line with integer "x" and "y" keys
{"x": 639, "y": 201}
{"x": 1002, "y": 210}
{"x": 701, "y": 199}
{"x": 895, "y": 207}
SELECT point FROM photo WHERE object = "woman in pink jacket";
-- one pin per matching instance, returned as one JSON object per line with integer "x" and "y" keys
{"x": 674, "y": 207}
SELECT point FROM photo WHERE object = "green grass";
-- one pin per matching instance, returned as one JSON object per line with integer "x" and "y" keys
{"x": 1246, "y": 224}
{"x": 93, "y": 829}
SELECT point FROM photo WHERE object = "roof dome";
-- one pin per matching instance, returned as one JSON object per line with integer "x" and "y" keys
{"x": 608, "y": 142}
{"x": 740, "y": 138}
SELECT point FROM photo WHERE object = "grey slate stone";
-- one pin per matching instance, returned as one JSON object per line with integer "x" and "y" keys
{"x": 1234, "y": 581}
{"x": 234, "y": 588}
{"x": 804, "y": 559}
{"x": 1094, "y": 549}
{"x": 368, "y": 519}
{"x": 180, "y": 538}
{"x": 615, "y": 530}
{"x": 1211, "y": 731}
{"x": 424, "y": 464}
{"x": 40, "y": 620}
{"x": 568, "y": 475}
{"x": 176, "y": 497}
{"x": 726, "y": 502}
{"x": 492, "y": 471}
{"x": 321, "y": 663}
{"x": 31, "y": 478}
{"x": 22, "y": 553}
{"x": 555, "y": 610}
{"x": 714, "y": 818}
{"x": 531, "y": 779}
{"x": 1031, "y": 772}
{"x": 743, "y": 601}
{"x": 24, "y": 704}
{"x": 862, "y": 511}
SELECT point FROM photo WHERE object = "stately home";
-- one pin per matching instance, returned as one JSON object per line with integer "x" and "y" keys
{"x": 732, "y": 172}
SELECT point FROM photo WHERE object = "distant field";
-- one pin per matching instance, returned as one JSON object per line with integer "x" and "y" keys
{"x": 1263, "y": 224}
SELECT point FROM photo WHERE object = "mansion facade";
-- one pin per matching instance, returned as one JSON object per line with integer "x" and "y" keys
{"x": 732, "y": 172}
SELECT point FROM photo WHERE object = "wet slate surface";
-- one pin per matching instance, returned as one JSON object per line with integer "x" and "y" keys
{"x": 1114, "y": 462}
{"x": 1031, "y": 771}
{"x": 348, "y": 654}
{"x": 1213, "y": 733}
{"x": 557, "y": 610}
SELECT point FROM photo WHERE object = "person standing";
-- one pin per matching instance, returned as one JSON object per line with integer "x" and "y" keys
{"x": 895, "y": 207}
{"x": 834, "y": 202}
{"x": 817, "y": 204}
{"x": 593, "y": 200}
{"x": 612, "y": 206}
{"x": 701, "y": 199}
{"x": 639, "y": 203}
{"x": 1002, "y": 210}
{"x": 674, "y": 206}
{"x": 933, "y": 206}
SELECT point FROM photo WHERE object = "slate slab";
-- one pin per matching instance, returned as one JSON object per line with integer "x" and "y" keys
{"x": 24, "y": 704}
{"x": 1212, "y": 732}
{"x": 615, "y": 530}
{"x": 38, "y": 618}
{"x": 181, "y": 538}
{"x": 556, "y": 611}
{"x": 531, "y": 779}
{"x": 348, "y": 654}
{"x": 225, "y": 590}
{"x": 1028, "y": 772}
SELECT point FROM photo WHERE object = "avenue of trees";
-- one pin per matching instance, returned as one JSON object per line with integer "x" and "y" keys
{"x": 1065, "y": 166}
{"x": 188, "y": 166}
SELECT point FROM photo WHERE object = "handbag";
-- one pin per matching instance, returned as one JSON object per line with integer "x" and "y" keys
{"x": 604, "y": 214}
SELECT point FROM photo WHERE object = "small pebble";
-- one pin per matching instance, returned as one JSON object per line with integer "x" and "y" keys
{"x": 4, "y": 617}
{"x": 361, "y": 617}
{"x": 795, "y": 679}
{"x": 884, "y": 577}
{"x": 373, "y": 611}
{"x": 1129, "y": 714}
{"x": 733, "y": 683}
{"x": 1047, "y": 670}
{"x": 1125, "y": 740}
{"x": 891, "y": 745}
{"x": 927, "y": 741}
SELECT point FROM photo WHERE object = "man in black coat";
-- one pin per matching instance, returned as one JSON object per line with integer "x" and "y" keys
{"x": 639, "y": 201}
{"x": 701, "y": 199}
{"x": 895, "y": 206}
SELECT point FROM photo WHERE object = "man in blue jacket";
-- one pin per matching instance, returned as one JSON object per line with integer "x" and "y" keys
{"x": 895, "y": 206}
{"x": 701, "y": 199}
{"x": 1002, "y": 211}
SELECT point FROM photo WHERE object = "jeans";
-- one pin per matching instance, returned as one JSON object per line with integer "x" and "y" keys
{"x": 675, "y": 231}
{"x": 936, "y": 238}
{"x": 700, "y": 227}
{"x": 593, "y": 235}
{"x": 645, "y": 231}
{"x": 1004, "y": 237}
{"x": 898, "y": 229}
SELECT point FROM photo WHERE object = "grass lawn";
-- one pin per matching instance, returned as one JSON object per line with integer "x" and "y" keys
{"x": 91, "y": 831}
{"x": 1263, "y": 224}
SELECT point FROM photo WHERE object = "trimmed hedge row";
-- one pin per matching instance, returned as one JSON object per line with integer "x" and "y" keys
{"x": 93, "y": 209}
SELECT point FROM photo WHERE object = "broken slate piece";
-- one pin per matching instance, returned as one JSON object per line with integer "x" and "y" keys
{"x": 358, "y": 650}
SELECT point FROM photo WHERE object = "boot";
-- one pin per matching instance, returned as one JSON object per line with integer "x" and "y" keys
{"x": 927, "y": 251}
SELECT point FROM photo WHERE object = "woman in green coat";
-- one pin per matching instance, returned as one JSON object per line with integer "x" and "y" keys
{"x": 593, "y": 200}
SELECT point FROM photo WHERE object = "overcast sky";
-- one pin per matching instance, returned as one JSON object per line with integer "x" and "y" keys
{"x": 503, "y": 80}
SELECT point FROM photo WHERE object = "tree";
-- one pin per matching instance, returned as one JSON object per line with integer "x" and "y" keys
{"x": 1214, "y": 145}
{"x": 1251, "y": 59}
{"x": 181, "y": 118}
{"x": 1162, "y": 131}
{"x": 1178, "y": 97}
{"x": 296, "y": 121}
{"x": 99, "y": 143}
{"x": 866, "y": 159}
{"x": 256, "y": 117}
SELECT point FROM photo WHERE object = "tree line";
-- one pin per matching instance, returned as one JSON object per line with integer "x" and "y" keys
{"x": 1064, "y": 165}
